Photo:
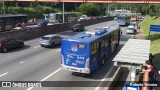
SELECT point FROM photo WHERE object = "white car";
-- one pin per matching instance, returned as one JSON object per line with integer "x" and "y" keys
{"x": 131, "y": 29}
{"x": 50, "y": 40}
{"x": 84, "y": 17}
{"x": 17, "y": 29}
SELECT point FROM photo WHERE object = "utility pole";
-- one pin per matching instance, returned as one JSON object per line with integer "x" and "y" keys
{"x": 121, "y": 8}
{"x": 108, "y": 7}
{"x": 63, "y": 12}
{"x": 51, "y": 7}
{"x": 3, "y": 7}
{"x": 130, "y": 8}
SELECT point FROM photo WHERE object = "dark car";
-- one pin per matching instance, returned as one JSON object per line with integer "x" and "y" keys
{"x": 8, "y": 44}
{"x": 42, "y": 22}
{"x": 77, "y": 27}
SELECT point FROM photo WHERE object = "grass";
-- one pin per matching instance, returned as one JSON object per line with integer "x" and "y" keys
{"x": 154, "y": 37}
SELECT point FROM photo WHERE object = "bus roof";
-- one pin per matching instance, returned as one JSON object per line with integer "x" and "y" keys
{"x": 91, "y": 35}
{"x": 13, "y": 15}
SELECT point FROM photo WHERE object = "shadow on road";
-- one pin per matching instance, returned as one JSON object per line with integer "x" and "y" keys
{"x": 19, "y": 49}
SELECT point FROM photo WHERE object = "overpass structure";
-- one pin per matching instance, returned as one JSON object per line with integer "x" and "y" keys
{"x": 94, "y": 1}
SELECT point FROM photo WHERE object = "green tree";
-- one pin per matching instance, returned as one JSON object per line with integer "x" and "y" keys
{"x": 152, "y": 10}
{"x": 89, "y": 9}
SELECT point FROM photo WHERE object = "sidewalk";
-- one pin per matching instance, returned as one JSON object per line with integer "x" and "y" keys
{"x": 140, "y": 35}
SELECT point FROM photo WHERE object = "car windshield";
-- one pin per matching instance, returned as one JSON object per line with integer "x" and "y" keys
{"x": 45, "y": 38}
{"x": 130, "y": 28}
{"x": 76, "y": 25}
{"x": 82, "y": 16}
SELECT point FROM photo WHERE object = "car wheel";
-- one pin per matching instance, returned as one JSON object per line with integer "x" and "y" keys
{"x": 21, "y": 45}
{"x": 5, "y": 50}
{"x": 42, "y": 46}
{"x": 83, "y": 29}
{"x": 53, "y": 44}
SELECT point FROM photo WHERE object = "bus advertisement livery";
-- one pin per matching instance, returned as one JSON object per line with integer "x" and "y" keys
{"x": 10, "y": 21}
{"x": 86, "y": 51}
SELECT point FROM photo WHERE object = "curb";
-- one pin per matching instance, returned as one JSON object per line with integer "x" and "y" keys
{"x": 112, "y": 81}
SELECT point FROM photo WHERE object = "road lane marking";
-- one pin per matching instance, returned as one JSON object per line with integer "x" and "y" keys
{"x": 36, "y": 46}
{"x": 47, "y": 77}
{"x": 104, "y": 78}
{"x": 21, "y": 62}
{"x": 3, "y": 74}
{"x": 59, "y": 50}
{"x": 51, "y": 74}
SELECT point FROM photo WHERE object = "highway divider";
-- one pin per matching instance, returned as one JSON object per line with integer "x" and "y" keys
{"x": 35, "y": 32}
{"x": 114, "y": 77}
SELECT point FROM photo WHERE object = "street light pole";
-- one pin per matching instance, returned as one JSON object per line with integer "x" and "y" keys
{"x": 63, "y": 12}
{"x": 130, "y": 8}
{"x": 3, "y": 7}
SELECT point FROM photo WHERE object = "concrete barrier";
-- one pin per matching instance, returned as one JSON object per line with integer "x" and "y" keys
{"x": 35, "y": 32}
{"x": 111, "y": 81}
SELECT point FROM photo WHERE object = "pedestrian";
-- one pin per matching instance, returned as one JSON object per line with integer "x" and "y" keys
{"x": 150, "y": 69}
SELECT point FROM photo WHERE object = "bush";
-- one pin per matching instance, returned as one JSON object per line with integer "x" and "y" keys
{"x": 74, "y": 14}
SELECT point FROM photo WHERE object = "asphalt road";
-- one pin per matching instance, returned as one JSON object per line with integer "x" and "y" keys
{"x": 35, "y": 63}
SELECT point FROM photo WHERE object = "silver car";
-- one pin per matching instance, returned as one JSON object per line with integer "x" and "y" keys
{"x": 50, "y": 40}
{"x": 131, "y": 29}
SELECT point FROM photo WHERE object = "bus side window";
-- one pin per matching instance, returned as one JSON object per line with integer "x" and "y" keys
{"x": 102, "y": 42}
{"x": 106, "y": 41}
{"x": 95, "y": 45}
{"x": 94, "y": 48}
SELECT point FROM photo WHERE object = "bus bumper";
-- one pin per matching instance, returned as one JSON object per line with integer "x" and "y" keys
{"x": 73, "y": 69}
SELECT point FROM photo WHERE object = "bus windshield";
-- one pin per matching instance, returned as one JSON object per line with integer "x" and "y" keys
{"x": 51, "y": 16}
{"x": 122, "y": 18}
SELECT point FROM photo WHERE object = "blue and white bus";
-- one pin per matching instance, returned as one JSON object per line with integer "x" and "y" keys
{"x": 123, "y": 20}
{"x": 86, "y": 51}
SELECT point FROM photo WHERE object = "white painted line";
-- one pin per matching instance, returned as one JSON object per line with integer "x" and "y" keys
{"x": 3, "y": 74}
{"x": 36, "y": 46}
{"x": 47, "y": 77}
{"x": 51, "y": 74}
{"x": 21, "y": 62}
{"x": 104, "y": 78}
{"x": 59, "y": 50}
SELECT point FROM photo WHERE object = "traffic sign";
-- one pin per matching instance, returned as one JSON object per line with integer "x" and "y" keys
{"x": 131, "y": 87}
{"x": 155, "y": 28}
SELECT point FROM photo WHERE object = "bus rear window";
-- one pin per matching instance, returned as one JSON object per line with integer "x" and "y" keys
{"x": 81, "y": 46}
